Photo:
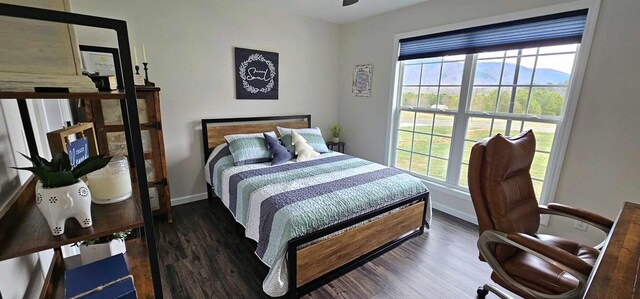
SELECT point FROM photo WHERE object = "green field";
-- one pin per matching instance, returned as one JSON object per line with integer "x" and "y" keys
{"x": 439, "y": 146}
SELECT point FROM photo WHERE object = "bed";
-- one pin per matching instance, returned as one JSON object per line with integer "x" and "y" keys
{"x": 314, "y": 220}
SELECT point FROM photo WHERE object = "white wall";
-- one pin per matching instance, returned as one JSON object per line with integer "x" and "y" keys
{"x": 602, "y": 164}
{"x": 24, "y": 276}
{"x": 603, "y": 156}
{"x": 190, "y": 50}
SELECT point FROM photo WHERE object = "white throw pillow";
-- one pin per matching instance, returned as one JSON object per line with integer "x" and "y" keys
{"x": 303, "y": 150}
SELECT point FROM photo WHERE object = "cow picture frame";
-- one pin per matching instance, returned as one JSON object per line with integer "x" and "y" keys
{"x": 256, "y": 74}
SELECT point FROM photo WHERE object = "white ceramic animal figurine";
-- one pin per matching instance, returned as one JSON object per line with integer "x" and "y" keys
{"x": 59, "y": 204}
{"x": 302, "y": 149}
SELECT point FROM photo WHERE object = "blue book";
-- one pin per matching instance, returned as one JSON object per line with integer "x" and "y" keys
{"x": 106, "y": 279}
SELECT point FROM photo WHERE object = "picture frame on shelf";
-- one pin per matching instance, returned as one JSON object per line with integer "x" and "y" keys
{"x": 60, "y": 139}
{"x": 104, "y": 60}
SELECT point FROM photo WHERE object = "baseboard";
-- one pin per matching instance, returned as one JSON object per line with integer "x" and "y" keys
{"x": 188, "y": 199}
{"x": 453, "y": 212}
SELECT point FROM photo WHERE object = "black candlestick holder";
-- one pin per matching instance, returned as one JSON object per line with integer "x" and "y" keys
{"x": 137, "y": 70}
{"x": 146, "y": 75}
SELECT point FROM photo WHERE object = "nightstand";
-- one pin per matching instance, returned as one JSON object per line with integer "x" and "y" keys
{"x": 336, "y": 146}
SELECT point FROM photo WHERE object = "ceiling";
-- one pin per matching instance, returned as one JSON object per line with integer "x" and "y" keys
{"x": 332, "y": 10}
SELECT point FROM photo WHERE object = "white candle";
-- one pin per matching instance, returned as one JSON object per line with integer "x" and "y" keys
{"x": 144, "y": 54}
{"x": 110, "y": 188}
{"x": 135, "y": 54}
{"x": 111, "y": 183}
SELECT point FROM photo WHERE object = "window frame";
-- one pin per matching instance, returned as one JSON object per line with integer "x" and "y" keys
{"x": 563, "y": 129}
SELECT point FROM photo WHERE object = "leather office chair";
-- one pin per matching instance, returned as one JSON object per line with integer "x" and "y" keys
{"x": 529, "y": 264}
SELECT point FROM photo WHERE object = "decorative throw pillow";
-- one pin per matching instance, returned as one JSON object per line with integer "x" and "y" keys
{"x": 303, "y": 150}
{"x": 278, "y": 151}
{"x": 313, "y": 136}
{"x": 249, "y": 148}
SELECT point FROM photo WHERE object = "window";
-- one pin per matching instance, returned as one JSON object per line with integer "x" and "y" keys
{"x": 458, "y": 87}
{"x": 448, "y": 103}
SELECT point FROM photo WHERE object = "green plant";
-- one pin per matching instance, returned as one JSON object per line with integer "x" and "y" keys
{"x": 58, "y": 172}
{"x": 105, "y": 239}
{"x": 335, "y": 131}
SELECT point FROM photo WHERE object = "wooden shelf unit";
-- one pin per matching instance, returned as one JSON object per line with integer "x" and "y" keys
{"x": 22, "y": 227}
{"x": 107, "y": 120}
{"x": 29, "y": 233}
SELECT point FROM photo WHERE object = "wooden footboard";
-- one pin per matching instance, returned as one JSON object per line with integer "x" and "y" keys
{"x": 316, "y": 264}
{"x": 322, "y": 257}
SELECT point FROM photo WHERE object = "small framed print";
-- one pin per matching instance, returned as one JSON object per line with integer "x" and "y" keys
{"x": 362, "y": 78}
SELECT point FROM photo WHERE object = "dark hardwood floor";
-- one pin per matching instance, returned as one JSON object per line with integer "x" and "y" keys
{"x": 203, "y": 255}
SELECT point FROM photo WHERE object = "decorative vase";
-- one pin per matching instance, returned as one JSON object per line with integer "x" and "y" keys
{"x": 60, "y": 203}
{"x": 95, "y": 252}
{"x": 336, "y": 139}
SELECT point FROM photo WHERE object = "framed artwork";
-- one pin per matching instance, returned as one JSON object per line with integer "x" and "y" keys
{"x": 256, "y": 74}
{"x": 362, "y": 78}
{"x": 104, "y": 60}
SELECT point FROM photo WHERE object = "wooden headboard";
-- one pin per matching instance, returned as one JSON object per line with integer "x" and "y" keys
{"x": 214, "y": 130}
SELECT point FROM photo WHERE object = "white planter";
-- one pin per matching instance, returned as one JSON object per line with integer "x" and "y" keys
{"x": 96, "y": 252}
{"x": 336, "y": 139}
{"x": 59, "y": 204}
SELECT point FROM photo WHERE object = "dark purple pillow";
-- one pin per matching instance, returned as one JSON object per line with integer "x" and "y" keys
{"x": 278, "y": 151}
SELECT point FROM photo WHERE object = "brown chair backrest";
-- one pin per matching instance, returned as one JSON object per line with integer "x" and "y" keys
{"x": 501, "y": 188}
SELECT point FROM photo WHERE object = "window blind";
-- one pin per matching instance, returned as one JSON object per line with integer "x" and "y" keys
{"x": 561, "y": 28}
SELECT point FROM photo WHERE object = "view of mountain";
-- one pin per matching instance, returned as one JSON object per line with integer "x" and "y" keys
{"x": 487, "y": 73}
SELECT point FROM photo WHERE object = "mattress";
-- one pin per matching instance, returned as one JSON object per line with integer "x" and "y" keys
{"x": 278, "y": 203}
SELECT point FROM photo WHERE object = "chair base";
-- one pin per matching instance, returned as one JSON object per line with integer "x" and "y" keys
{"x": 484, "y": 290}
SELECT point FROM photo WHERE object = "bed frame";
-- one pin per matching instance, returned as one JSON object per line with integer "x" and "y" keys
{"x": 312, "y": 266}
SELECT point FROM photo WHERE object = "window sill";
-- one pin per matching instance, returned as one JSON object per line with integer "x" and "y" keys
{"x": 457, "y": 192}
{"x": 441, "y": 186}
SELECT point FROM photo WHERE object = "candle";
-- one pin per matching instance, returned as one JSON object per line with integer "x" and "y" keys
{"x": 111, "y": 183}
{"x": 144, "y": 54}
{"x": 114, "y": 188}
{"x": 135, "y": 54}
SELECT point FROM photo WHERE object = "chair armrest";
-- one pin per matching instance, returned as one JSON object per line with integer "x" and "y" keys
{"x": 552, "y": 252}
{"x": 591, "y": 218}
{"x": 555, "y": 256}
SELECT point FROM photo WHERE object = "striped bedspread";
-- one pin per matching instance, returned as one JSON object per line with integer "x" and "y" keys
{"x": 278, "y": 203}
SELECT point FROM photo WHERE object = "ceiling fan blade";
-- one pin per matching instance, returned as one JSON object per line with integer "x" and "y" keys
{"x": 349, "y": 2}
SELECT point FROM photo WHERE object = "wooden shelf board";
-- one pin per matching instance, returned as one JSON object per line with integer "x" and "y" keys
{"x": 57, "y": 263}
{"x": 62, "y": 95}
{"x": 137, "y": 261}
{"x": 30, "y": 233}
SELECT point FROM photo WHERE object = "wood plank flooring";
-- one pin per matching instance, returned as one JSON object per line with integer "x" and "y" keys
{"x": 203, "y": 255}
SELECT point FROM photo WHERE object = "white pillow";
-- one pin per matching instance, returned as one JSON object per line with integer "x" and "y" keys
{"x": 303, "y": 150}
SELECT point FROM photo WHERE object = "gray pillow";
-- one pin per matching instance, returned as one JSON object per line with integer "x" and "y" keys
{"x": 249, "y": 148}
